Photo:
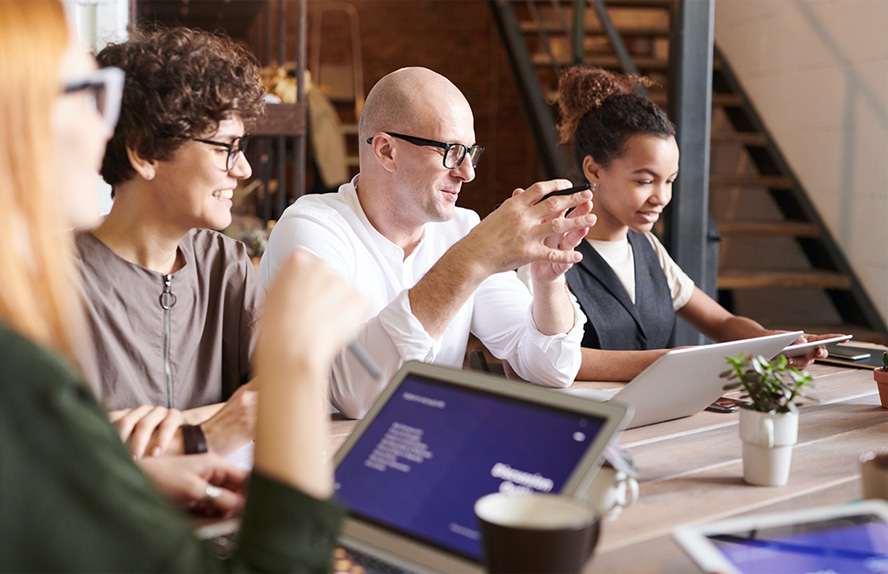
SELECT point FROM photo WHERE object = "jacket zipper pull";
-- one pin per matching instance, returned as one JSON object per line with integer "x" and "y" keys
{"x": 167, "y": 298}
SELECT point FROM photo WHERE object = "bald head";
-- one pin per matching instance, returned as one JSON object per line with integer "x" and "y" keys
{"x": 411, "y": 101}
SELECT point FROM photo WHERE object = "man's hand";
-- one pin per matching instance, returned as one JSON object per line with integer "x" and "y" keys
{"x": 185, "y": 481}
{"x": 545, "y": 271}
{"x": 522, "y": 230}
{"x": 526, "y": 230}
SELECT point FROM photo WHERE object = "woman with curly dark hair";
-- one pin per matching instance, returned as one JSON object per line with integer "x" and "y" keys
{"x": 627, "y": 285}
{"x": 173, "y": 304}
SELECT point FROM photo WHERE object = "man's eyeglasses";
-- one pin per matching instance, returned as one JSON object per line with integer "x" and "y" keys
{"x": 234, "y": 148}
{"x": 105, "y": 87}
{"x": 454, "y": 153}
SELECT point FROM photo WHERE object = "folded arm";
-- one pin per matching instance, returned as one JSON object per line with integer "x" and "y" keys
{"x": 153, "y": 431}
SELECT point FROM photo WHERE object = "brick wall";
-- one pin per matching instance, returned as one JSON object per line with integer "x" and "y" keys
{"x": 459, "y": 39}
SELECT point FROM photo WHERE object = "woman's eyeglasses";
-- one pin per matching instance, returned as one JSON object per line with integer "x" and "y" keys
{"x": 105, "y": 88}
{"x": 234, "y": 148}
{"x": 454, "y": 153}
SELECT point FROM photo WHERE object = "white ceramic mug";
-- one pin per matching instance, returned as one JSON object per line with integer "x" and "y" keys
{"x": 611, "y": 491}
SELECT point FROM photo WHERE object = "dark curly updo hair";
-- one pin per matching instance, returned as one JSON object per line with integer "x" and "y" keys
{"x": 600, "y": 111}
{"x": 180, "y": 83}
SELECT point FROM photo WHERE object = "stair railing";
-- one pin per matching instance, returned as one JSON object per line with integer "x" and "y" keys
{"x": 542, "y": 124}
{"x": 544, "y": 35}
{"x": 613, "y": 35}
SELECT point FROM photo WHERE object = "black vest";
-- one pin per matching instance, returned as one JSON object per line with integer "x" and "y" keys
{"x": 614, "y": 322}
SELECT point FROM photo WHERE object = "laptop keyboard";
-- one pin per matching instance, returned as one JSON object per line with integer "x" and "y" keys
{"x": 349, "y": 561}
{"x": 224, "y": 545}
{"x": 356, "y": 562}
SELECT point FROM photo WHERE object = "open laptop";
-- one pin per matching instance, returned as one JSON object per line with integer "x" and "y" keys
{"x": 685, "y": 381}
{"x": 438, "y": 439}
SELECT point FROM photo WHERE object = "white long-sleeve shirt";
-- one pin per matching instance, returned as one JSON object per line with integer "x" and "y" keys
{"x": 334, "y": 228}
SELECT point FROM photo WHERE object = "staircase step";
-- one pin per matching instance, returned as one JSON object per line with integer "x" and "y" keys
{"x": 769, "y": 181}
{"x": 650, "y": 4}
{"x": 745, "y": 138}
{"x": 727, "y": 100}
{"x": 753, "y": 279}
{"x": 639, "y": 3}
{"x": 769, "y": 228}
{"x": 543, "y": 60}
{"x": 555, "y": 27}
{"x": 659, "y": 97}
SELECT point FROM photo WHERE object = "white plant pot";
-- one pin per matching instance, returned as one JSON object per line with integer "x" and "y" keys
{"x": 768, "y": 439}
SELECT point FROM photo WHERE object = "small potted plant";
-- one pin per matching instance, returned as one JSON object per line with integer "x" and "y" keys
{"x": 769, "y": 419}
{"x": 880, "y": 374}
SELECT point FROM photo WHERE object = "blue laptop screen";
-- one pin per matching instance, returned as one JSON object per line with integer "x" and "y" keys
{"x": 434, "y": 449}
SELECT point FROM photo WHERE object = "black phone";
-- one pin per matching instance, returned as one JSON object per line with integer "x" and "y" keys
{"x": 723, "y": 405}
{"x": 568, "y": 191}
{"x": 850, "y": 353}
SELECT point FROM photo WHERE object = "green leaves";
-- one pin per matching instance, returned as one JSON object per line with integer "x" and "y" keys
{"x": 771, "y": 386}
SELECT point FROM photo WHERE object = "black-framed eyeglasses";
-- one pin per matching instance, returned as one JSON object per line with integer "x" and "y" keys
{"x": 234, "y": 148}
{"x": 105, "y": 88}
{"x": 454, "y": 153}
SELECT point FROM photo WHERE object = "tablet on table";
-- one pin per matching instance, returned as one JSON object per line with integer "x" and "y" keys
{"x": 843, "y": 538}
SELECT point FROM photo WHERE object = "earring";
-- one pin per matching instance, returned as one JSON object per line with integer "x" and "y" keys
{"x": 594, "y": 186}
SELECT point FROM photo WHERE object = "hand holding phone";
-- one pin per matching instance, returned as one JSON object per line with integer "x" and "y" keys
{"x": 805, "y": 348}
{"x": 568, "y": 191}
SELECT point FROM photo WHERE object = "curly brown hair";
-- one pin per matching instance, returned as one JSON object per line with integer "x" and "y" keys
{"x": 600, "y": 111}
{"x": 180, "y": 83}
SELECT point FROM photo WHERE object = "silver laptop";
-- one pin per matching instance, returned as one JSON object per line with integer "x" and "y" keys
{"x": 438, "y": 439}
{"x": 685, "y": 381}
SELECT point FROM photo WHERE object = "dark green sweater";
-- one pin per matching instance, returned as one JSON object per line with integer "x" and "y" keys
{"x": 71, "y": 498}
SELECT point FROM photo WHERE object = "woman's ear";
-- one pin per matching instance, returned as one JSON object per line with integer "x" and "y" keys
{"x": 146, "y": 168}
{"x": 591, "y": 170}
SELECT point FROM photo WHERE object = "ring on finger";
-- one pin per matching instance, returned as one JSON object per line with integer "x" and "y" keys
{"x": 212, "y": 493}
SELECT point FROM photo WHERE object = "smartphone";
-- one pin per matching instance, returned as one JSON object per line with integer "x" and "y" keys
{"x": 568, "y": 191}
{"x": 723, "y": 405}
{"x": 852, "y": 354}
{"x": 805, "y": 348}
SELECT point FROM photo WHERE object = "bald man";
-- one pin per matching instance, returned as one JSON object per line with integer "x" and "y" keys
{"x": 433, "y": 271}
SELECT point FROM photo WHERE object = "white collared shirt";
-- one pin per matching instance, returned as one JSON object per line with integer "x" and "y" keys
{"x": 334, "y": 228}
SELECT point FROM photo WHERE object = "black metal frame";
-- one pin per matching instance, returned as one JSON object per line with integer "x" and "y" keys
{"x": 271, "y": 150}
{"x": 691, "y": 236}
{"x": 823, "y": 252}
{"x": 542, "y": 124}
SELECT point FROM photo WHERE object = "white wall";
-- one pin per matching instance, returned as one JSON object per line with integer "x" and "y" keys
{"x": 817, "y": 71}
{"x": 97, "y": 23}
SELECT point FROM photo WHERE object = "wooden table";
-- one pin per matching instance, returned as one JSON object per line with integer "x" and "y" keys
{"x": 691, "y": 469}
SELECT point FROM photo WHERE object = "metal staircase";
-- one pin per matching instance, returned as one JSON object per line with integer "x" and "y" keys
{"x": 778, "y": 263}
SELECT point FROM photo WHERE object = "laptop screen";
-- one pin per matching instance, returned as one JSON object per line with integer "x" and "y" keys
{"x": 435, "y": 448}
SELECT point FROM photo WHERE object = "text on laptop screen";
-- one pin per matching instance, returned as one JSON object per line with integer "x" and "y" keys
{"x": 434, "y": 449}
